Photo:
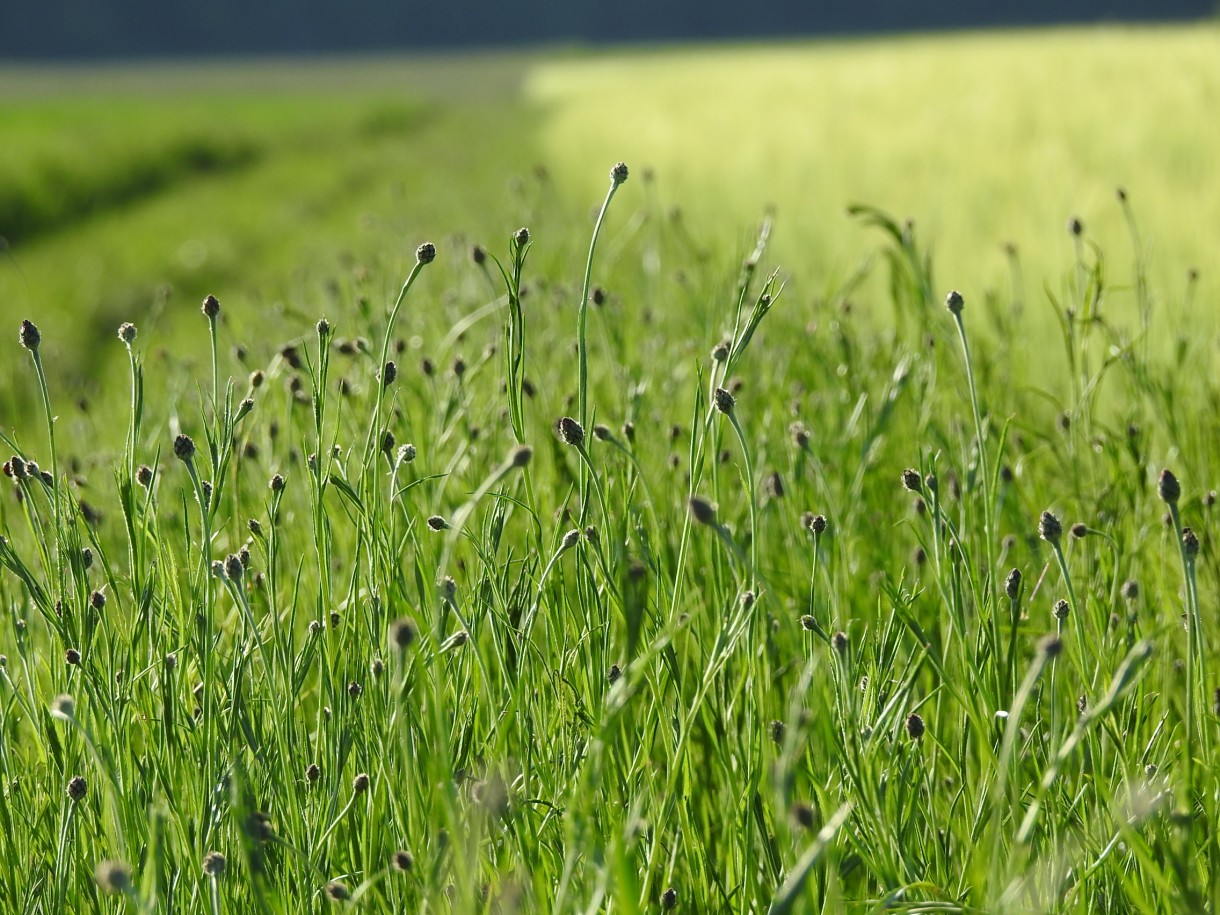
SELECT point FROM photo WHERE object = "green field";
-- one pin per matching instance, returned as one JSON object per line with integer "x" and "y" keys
{"x": 742, "y": 633}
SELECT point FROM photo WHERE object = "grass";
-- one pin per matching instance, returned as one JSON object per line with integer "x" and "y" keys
{"x": 823, "y": 606}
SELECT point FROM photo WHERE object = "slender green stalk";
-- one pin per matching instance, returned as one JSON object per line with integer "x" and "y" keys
{"x": 618, "y": 175}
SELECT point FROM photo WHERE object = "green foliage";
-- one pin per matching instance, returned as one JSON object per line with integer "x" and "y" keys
{"x": 719, "y": 652}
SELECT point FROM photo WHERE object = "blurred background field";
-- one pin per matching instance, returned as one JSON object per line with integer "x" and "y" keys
{"x": 133, "y": 190}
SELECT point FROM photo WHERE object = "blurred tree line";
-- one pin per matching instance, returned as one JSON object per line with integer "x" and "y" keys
{"x": 66, "y": 29}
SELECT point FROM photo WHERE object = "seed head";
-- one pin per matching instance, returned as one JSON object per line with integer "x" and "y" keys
{"x": 29, "y": 336}
{"x": 915, "y": 728}
{"x": 426, "y": 253}
{"x": 522, "y": 237}
{"x": 214, "y": 864}
{"x": 276, "y": 484}
{"x": 360, "y": 783}
{"x": 402, "y": 633}
{"x": 1131, "y": 589}
{"x": 64, "y": 705}
{"x": 1012, "y": 584}
{"x": 387, "y": 442}
{"x": 97, "y": 600}
{"x": 570, "y": 431}
{"x": 1075, "y": 226}
{"x": 570, "y": 539}
{"x": 211, "y": 307}
{"x": 669, "y": 899}
{"x": 1168, "y": 487}
{"x": 1061, "y": 609}
{"x": 799, "y": 434}
{"x": 388, "y": 374}
{"x": 313, "y": 772}
{"x": 127, "y": 332}
{"x": 702, "y": 510}
{"x": 954, "y": 302}
{"x": 777, "y": 730}
{"x": 724, "y": 401}
{"x": 184, "y": 448}
{"x": 803, "y": 815}
{"x": 1190, "y": 543}
{"x": 1050, "y": 645}
{"x": 1049, "y": 528}
{"x": 911, "y": 480}
{"x": 808, "y": 623}
{"x": 234, "y": 568}
{"x": 437, "y": 523}
{"x": 406, "y": 453}
{"x": 1079, "y": 531}
{"x": 72, "y": 657}
{"x": 478, "y": 255}
{"x": 614, "y": 674}
{"x": 720, "y": 352}
{"x": 77, "y": 788}
{"x": 338, "y": 892}
{"x": 618, "y": 174}
{"x": 113, "y": 876}
{"x": 818, "y": 524}
{"x": 520, "y": 456}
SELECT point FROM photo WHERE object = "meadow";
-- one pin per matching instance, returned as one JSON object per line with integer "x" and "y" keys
{"x": 409, "y": 509}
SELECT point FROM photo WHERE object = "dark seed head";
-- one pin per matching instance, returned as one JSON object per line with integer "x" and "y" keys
{"x": 1131, "y": 589}
{"x": 72, "y": 657}
{"x": 214, "y": 864}
{"x": 403, "y": 860}
{"x": 97, "y": 600}
{"x": 570, "y": 431}
{"x": 701, "y": 510}
{"x": 615, "y": 673}
{"x": 313, "y": 772}
{"x": 184, "y": 448}
{"x": 521, "y": 455}
{"x": 720, "y": 352}
{"x": 77, "y": 788}
{"x": 1061, "y": 609}
{"x": 522, "y": 237}
{"x": 954, "y": 302}
{"x": 724, "y": 401}
{"x": 360, "y": 783}
{"x": 808, "y": 623}
{"x": 211, "y": 307}
{"x": 113, "y": 877}
{"x": 915, "y": 728}
{"x": 803, "y": 815}
{"x": 388, "y": 374}
{"x": 402, "y": 633}
{"x": 29, "y": 336}
{"x": 437, "y": 523}
{"x": 1050, "y": 645}
{"x": 911, "y": 480}
{"x": 1075, "y": 226}
{"x": 840, "y": 642}
{"x": 1079, "y": 531}
{"x": 1190, "y": 543}
{"x": 338, "y": 892}
{"x": 127, "y": 333}
{"x": 478, "y": 255}
{"x": 619, "y": 173}
{"x": 777, "y": 729}
{"x": 669, "y": 899}
{"x": 1012, "y": 584}
{"x": 818, "y": 524}
{"x": 1049, "y": 528}
{"x": 276, "y": 484}
{"x": 426, "y": 253}
{"x": 1168, "y": 487}
{"x": 233, "y": 568}
{"x": 799, "y": 434}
